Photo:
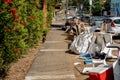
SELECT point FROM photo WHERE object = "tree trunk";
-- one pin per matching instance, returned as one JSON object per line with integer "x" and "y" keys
{"x": 45, "y": 13}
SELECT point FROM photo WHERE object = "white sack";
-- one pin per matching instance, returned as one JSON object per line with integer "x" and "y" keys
{"x": 81, "y": 43}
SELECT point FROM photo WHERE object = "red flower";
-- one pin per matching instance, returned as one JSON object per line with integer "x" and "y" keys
{"x": 32, "y": 17}
{"x": 8, "y": 30}
{"x": 16, "y": 51}
{"x": 13, "y": 10}
{"x": 8, "y": 1}
{"x": 22, "y": 22}
{"x": 14, "y": 13}
{"x": 16, "y": 17}
{"x": 16, "y": 29}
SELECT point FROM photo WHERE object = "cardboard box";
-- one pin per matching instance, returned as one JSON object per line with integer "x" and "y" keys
{"x": 115, "y": 52}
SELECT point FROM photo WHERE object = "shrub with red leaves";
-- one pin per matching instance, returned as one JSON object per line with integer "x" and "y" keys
{"x": 8, "y": 1}
{"x": 8, "y": 30}
{"x": 32, "y": 16}
{"x": 16, "y": 51}
{"x": 22, "y": 22}
{"x": 16, "y": 29}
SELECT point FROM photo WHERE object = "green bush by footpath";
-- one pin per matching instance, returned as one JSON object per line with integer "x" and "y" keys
{"x": 21, "y": 26}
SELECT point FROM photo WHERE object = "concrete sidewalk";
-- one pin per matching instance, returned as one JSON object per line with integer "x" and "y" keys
{"x": 52, "y": 63}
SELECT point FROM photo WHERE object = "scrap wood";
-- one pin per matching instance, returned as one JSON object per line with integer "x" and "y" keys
{"x": 77, "y": 68}
{"x": 81, "y": 71}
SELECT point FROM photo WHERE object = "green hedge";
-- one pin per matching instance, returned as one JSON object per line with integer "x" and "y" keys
{"x": 21, "y": 27}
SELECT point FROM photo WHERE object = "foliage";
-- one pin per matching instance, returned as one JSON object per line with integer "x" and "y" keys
{"x": 97, "y": 6}
{"x": 86, "y": 5}
{"x": 107, "y": 6}
{"x": 96, "y": 9}
{"x": 74, "y": 2}
{"x": 50, "y": 9}
{"x": 21, "y": 26}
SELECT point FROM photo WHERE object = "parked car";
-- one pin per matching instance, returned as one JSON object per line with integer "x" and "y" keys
{"x": 113, "y": 24}
{"x": 70, "y": 16}
{"x": 97, "y": 21}
{"x": 85, "y": 18}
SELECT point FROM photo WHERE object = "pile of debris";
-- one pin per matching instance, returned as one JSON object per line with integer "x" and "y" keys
{"x": 94, "y": 47}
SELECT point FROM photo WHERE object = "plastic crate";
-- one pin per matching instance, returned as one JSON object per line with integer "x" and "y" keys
{"x": 103, "y": 74}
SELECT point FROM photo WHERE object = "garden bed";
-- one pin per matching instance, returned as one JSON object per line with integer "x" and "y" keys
{"x": 19, "y": 69}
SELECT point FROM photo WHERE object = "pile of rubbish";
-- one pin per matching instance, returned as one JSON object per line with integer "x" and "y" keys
{"x": 94, "y": 47}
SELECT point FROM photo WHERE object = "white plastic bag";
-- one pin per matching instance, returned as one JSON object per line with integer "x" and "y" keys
{"x": 81, "y": 43}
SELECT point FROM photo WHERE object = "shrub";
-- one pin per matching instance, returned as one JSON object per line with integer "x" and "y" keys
{"x": 21, "y": 26}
